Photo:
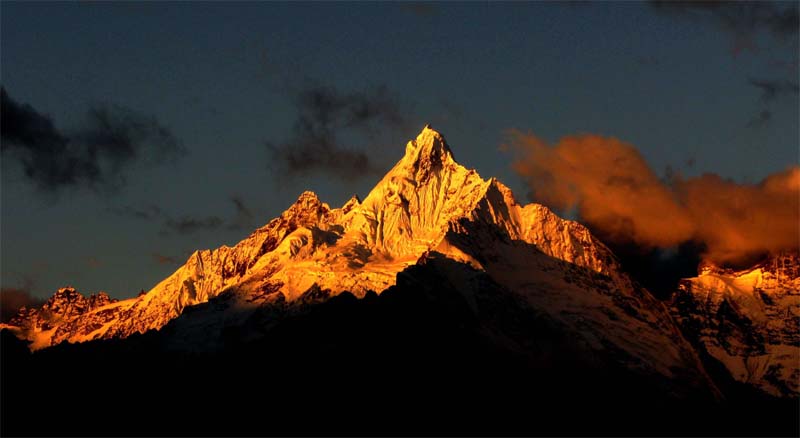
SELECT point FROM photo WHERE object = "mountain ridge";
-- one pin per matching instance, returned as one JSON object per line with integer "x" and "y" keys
{"x": 406, "y": 214}
{"x": 427, "y": 206}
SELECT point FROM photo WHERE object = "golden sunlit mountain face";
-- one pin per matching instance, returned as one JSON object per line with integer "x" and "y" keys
{"x": 421, "y": 205}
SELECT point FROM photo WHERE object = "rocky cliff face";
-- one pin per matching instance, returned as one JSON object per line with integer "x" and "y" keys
{"x": 427, "y": 204}
{"x": 748, "y": 320}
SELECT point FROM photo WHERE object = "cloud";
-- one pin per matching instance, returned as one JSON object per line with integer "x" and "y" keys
{"x": 243, "y": 217}
{"x": 169, "y": 224}
{"x": 743, "y": 20}
{"x": 12, "y": 299}
{"x": 760, "y": 119}
{"x": 164, "y": 259}
{"x": 612, "y": 189}
{"x": 189, "y": 225}
{"x": 241, "y": 208}
{"x": 772, "y": 89}
{"x": 147, "y": 212}
{"x": 325, "y": 115}
{"x": 607, "y": 181}
{"x": 738, "y": 220}
{"x": 94, "y": 155}
{"x": 762, "y": 28}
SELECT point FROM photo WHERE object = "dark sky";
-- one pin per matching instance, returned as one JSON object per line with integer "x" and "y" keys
{"x": 134, "y": 133}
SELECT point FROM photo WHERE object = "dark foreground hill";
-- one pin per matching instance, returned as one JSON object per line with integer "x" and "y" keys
{"x": 416, "y": 360}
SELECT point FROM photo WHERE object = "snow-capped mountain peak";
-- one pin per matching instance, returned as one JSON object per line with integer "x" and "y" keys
{"x": 429, "y": 152}
{"x": 426, "y": 204}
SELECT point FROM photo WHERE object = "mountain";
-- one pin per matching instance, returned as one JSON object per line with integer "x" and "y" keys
{"x": 437, "y": 305}
{"x": 748, "y": 321}
{"x": 426, "y": 204}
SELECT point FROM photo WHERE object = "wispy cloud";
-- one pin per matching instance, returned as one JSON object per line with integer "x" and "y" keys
{"x": 742, "y": 20}
{"x": 766, "y": 29}
{"x": 771, "y": 91}
{"x": 94, "y": 155}
{"x": 243, "y": 217}
{"x": 326, "y": 115}
{"x": 775, "y": 88}
{"x": 762, "y": 118}
{"x": 189, "y": 225}
{"x": 241, "y": 207}
{"x": 146, "y": 212}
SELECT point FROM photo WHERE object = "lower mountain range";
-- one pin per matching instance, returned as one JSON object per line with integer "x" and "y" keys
{"x": 437, "y": 305}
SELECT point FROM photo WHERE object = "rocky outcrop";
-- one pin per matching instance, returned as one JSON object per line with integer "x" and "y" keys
{"x": 57, "y": 317}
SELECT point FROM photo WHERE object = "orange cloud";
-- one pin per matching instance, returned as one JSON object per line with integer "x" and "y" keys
{"x": 613, "y": 189}
{"x": 735, "y": 220}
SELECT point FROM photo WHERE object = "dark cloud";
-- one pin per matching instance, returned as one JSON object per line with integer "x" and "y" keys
{"x": 169, "y": 224}
{"x": 753, "y": 26}
{"x": 326, "y": 116}
{"x": 760, "y": 119}
{"x": 189, "y": 225}
{"x": 94, "y": 155}
{"x": 243, "y": 217}
{"x": 165, "y": 259}
{"x": 241, "y": 207}
{"x": 772, "y": 89}
{"x": 743, "y": 20}
{"x": 146, "y": 212}
{"x": 613, "y": 190}
{"x": 12, "y": 299}
{"x": 42, "y": 149}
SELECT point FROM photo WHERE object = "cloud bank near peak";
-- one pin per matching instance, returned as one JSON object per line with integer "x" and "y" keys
{"x": 610, "y": 186}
